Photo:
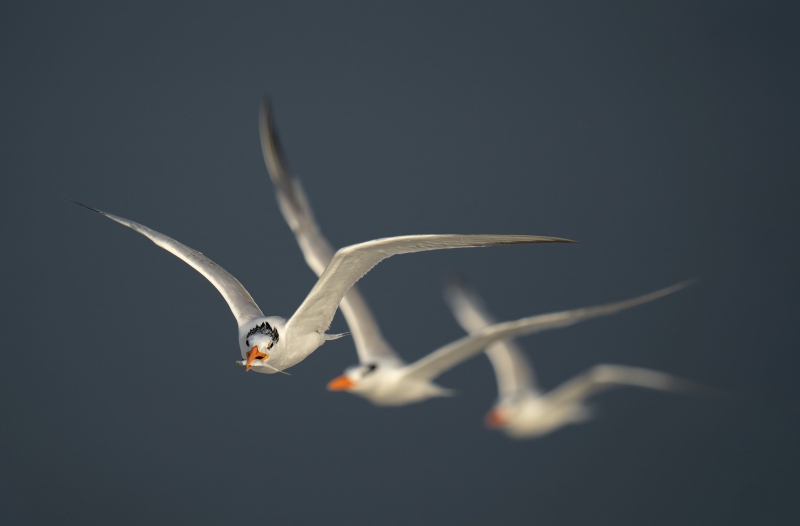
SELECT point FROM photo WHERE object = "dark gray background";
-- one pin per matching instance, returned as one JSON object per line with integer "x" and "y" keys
{"x": 663, "y": 137}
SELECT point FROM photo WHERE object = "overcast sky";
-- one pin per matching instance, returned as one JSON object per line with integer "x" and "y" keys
{"x": 663, "y": 137}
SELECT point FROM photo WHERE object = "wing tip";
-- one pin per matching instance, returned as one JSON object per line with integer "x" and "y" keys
{"x": 265, "y": 111}
{"x": 666, "y": 291}
{"x": 272, "y": 150}
{"x": 541, "y": 239}
{"x": 455, "y": 281}
{"x": 93, "y": 209}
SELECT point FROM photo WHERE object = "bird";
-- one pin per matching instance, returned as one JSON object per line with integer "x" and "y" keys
{"x": 522, "y": 410}
{"x": 382, "y": 377}
{"x": 272, "y": 344}
{"x": 392, "y": 385}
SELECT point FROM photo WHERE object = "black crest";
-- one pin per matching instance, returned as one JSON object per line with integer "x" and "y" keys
{"x": 265, "y": 329}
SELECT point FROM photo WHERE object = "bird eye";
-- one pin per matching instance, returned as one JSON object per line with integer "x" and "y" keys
{"x": 370, "y": 368}
{"x": 247, "y": 342}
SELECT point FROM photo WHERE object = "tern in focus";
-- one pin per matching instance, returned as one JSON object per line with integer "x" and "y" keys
{"x": 382, "y": 377}
{"x": 522, "y": 410}
{"x": 271, "y": 344}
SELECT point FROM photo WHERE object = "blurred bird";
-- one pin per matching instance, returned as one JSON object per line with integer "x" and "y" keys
{"x": 403, "y": 384}
{"x": 271, "y": 344}
{"x": 522, "y": 410}
{"x": 382, "y": 377}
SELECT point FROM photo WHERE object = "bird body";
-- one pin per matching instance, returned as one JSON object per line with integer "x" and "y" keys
{"x": 387, "y": 385}
{"x": 536, "y": 415}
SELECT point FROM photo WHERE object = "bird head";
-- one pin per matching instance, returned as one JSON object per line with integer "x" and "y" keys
{"x": 534, "y": 416}
{"x": 258, "y": 339}
{"x": 497, "y": 417}
{"x": 507, "y": 410}
{"x": 355, "y": 378}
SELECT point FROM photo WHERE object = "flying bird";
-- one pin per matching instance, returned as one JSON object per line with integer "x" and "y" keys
{"x": 382, "y": 376}
{"x": 271, "y": 344}
{"x": 399, "y": 385}
{"x": 522, "y": 410}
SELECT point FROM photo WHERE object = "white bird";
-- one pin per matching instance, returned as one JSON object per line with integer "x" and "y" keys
{"x": 272, "y": 344}
{"x": 400, "y": 385}
{"x": 522, "y": 410}
{"x": 382, "y": 377}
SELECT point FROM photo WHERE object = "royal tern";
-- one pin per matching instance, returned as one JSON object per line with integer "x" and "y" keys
{"x": 522, "y": 410}
{"x": 272, "y": 344}
{"x": 382, "y": 377}
{"x": 400, "y": 385}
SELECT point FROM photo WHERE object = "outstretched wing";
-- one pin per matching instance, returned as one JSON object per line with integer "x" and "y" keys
{"x": 602, "y": 377}
{"x": 511, "y": 368}
{"x": 350, "y": 263}
{"x": 242, "y": 305}
{"x": 454, "y": 353}
{"x": 370, "y": 343}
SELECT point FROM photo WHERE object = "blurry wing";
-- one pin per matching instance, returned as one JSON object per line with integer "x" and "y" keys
{"x": 454, "y": 353}
{"x": 511, "y": 368}
{"x": 292, "y": 200}
{"x": 602, "y": 377}
{"x": 350, "y": 263}
{"x": 370, "y": 344}
{"x": 242, "y": 305}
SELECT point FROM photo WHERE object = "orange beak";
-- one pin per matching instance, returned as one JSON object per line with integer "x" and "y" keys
{"x": 494, "y": 419}
{"x": 341, "y": 383}
{"x": 252, "y": 355}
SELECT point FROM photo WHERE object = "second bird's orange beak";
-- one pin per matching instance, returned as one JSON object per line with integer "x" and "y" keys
{"x": 341, "y": 383}
{"x": 252, "y": 354}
